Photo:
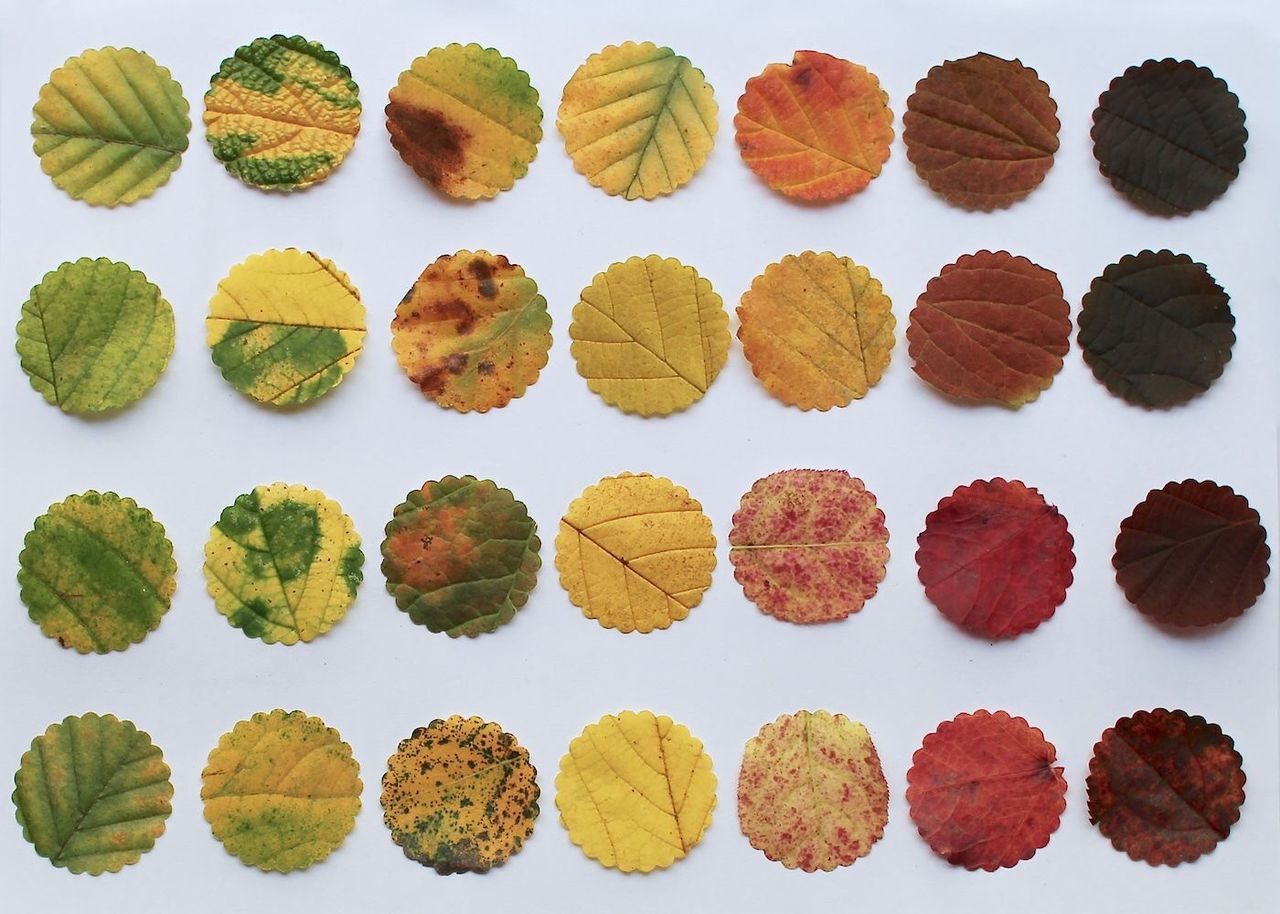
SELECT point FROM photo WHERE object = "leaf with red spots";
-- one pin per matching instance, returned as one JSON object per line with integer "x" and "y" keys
{"x": 1165, "y": 786}
{"x": 995, "y": 558}
{"x": 984, "y": 790}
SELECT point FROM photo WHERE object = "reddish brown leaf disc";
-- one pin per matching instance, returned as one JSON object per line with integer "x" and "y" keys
{"x": 1192, "y": 553}
{"x": 984, "y": 791}
{"x": 990, "y": 328}
{"x": 1165, "y": 786}
{"x": 995, "y": 558}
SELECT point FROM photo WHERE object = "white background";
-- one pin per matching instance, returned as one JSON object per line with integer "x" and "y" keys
{"x": 193, "y": 444}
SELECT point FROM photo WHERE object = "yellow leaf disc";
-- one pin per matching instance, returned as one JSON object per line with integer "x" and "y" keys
{"x": 650, "y": 335}
{"x": 636, "y": 791}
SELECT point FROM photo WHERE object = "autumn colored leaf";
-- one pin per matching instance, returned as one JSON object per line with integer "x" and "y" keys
{"x": 1169, "y": 135}
{"x": 1165, "y": 786}
{"x": 811, "y": 793}
{"x": 460, "y": 795}
{"x": 92, "y": 794}
{"x": 650, "y": 335}
{"x": 1156, "y": 328}
{"x": 984, "y": 791}
{"x": 981, "y": 131}
{"x": 817, "y": 330}
{"x": 638, "y": 120}
{"x": 473, "y": 333}
{"x": 995, "y": 558}
{"x": 1193, "y": 553}
{"x": 94, "y": 336}
{"x": 990, "y": 328}
{"x": 466, "y": 120}
{"x": 817, "y": 130}
{"x": 635, "y": 552}
{"x": 97, "y": 572}
{"x": 809, "y": 545}
{"x": 636, "y": 791}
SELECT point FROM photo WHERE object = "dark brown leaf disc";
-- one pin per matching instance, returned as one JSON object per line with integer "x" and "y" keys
{"x": 1169, "y": 135}
{"x": 1192, "y": 553}
{"x": 1156, "y": 328}
{"x": 981, "y": 131}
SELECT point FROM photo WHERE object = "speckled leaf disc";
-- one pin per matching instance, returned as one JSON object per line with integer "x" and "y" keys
{"x": 285, "y": 326}
{"x": 460, "y": 795}
{"x": 110, "y": 126}
{"x": 473, "y": 333}
{"x": 92, "y": 794}
{"x": 94, "y": 336}
{"x": 466, "y": 120}
{"x": 281, "y": 791}
{"x": 635, "y": 552}
{"x": 282, "y": 113}
{"x": 97, "y": 572}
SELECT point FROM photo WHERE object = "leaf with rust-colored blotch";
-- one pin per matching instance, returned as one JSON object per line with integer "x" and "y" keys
{"x": 473, "y": 333}
{"x": 990, "y": 328}
{"x": 809, "y": 545}
{"x": 1193, "y": 553}
{"x": 811, "y": 793}
{"x": 984, "y": 790}
{"x": 995, "y": 558}
{"x": 460, "y": 795}
{"x": 1165, "y": 786}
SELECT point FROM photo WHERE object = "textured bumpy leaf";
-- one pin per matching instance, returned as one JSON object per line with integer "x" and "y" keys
{"x": 809, "y": 545}
{"x": 817, "y": 330}
{"x": 990, "y": 328}
{"x": 635, "y": 552}
{"x": 283, "y": 563}
{"x": 285, "y": 326}
{"x": 94, "y": 336}
{"x": 473, "y": 333}
{"x": 1165, "y": 786}
{"x": 92, "y": 794}
{"x": 1156, "y": 328}
{"x": 97, "y": 572}
{"x": 1169, "y": 135}
{"x": 282, "y": 113}
{"x": 811, "y": 793}
{"x": 1192, "y": 553}
{"x": 281, "y": 791}
{"x": 460, "y": 795}
{"x": 466, "y": 120}
{"x": 638, "y": 120}
{"x": 461, "y": 556}
{"x": 817, "y": 130}
{"x": 650, "y": 335}
{"x": 995, "y": 558}
{"x": 636, "y": 791}
{"x": 984, "y": 791}
{"x": 110, "y": 126}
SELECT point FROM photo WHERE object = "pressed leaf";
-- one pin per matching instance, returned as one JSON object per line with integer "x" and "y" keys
{"x": 635, "y": 552}
{"x": 650, "y": 335}
{"x": 97, "y": 572}
{"x": 110, "y": 126}
{"x": 817, "y": 129}
{"x": 94, "y": 336}
{"x": 1193, "y": 553}
{"x": 809, "y": 545}
{"x": 811, "y": 793}
{"x": 460, "y": 795}
{"x": 636, "y": 791}
{"x": 92, "y": 794}
{"x": 461, "y": 556}
{"x": 638, "y": 120}
{"x": 285, "y": 326}
{"x": 473, "y": 333}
